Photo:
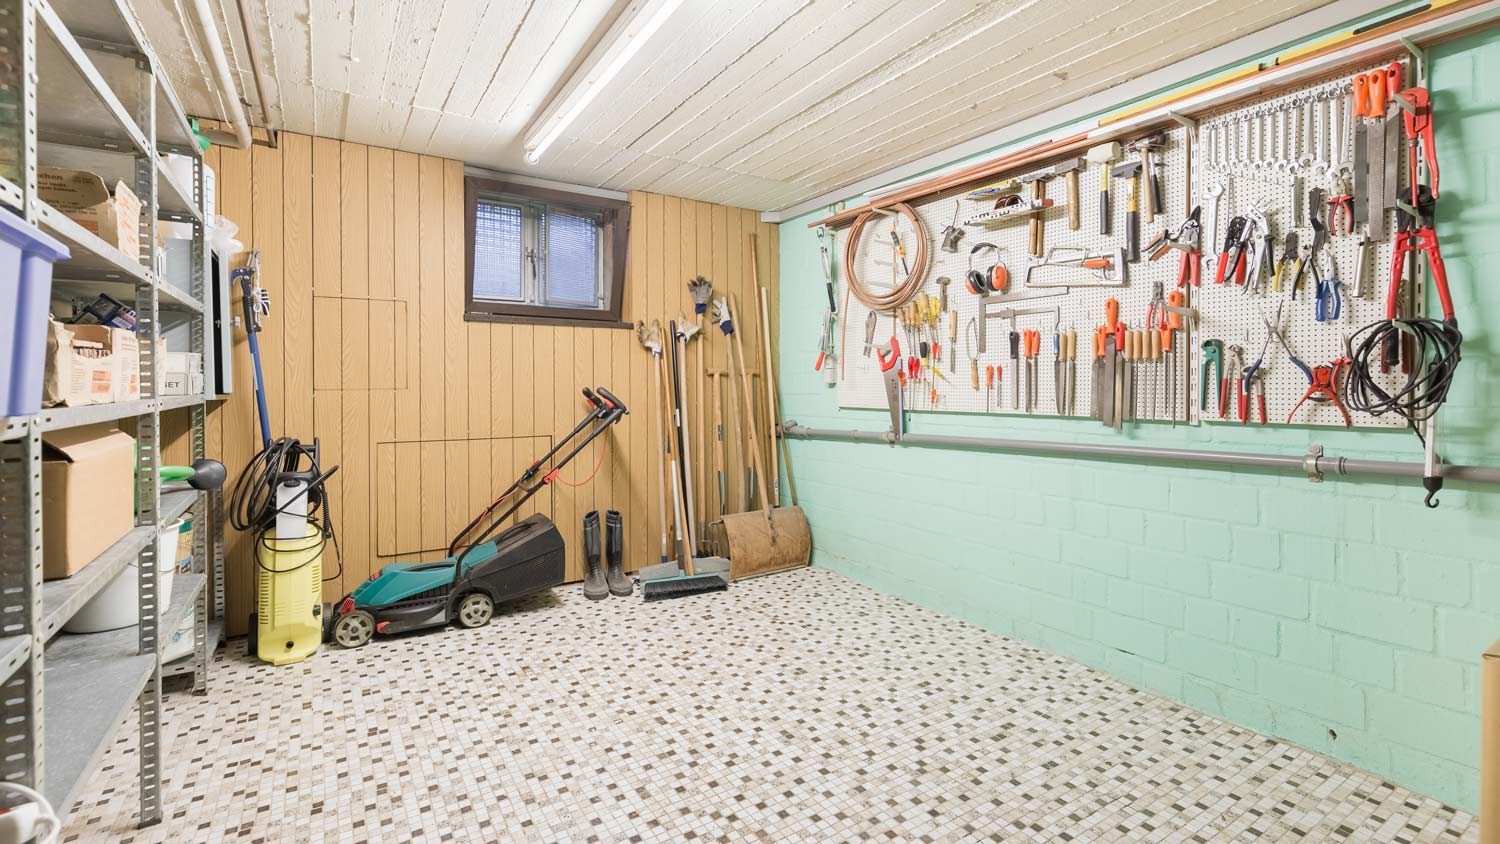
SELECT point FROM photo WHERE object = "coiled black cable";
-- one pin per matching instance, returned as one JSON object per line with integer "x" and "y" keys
{"x": 1434, "y": 360}
{"x": 252, "y": 505}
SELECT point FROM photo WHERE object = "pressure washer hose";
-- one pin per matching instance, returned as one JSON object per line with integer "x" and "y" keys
{"x": 903, "y": 292}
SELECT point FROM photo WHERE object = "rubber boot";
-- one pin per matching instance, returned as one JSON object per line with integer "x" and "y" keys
{"x": 614, "y": 546}
{"x": 594, "y": 587}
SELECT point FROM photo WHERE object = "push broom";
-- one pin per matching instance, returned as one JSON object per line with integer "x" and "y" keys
{"x": 667, "y": 579}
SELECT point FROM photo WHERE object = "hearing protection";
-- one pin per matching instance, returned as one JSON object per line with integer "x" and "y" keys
{"x": 991, "y": 279}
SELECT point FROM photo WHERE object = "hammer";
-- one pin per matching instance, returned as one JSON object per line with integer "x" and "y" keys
{"x": 1069, "y": 169}
{"x": 1146, "y": 147}
{"x": 1131, "y": 170}
{"x": 1104, "y": 154}
{"x": 1035, "y": 224}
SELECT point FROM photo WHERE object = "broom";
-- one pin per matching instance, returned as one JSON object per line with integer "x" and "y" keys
{"x": 686, "y": 582}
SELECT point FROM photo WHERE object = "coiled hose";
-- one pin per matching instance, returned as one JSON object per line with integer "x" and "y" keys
{"x": 901, "y": 293}
{"x": 252, "y": 506}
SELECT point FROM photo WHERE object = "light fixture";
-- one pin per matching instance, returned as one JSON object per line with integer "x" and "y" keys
{"x": 625, "y": 38}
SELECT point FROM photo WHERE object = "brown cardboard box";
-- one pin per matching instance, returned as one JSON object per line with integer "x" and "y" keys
{"x": 1489, "y": 748}
{"x": 91, "y": 364}
{"x": 113, "y": 215}
{"x": 88, "y": 495}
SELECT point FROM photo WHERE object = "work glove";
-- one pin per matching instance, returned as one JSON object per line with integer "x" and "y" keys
{"x": 722, "y": 316}
{"x": 702, "y": 290}
{"x": 685, "y": 329}
{"x": 650, "y": 336}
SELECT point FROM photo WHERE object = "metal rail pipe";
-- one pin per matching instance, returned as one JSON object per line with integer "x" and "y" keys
{"x": 229, "y": 92}
{"x": 1314, "y": 464}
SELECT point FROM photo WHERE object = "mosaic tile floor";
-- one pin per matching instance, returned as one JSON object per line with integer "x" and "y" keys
{"x": 799, "y": 707}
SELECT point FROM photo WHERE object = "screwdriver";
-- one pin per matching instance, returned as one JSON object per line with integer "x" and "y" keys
{"x": 1153, "y": 339}
{"x": 989, "y": 382}
{"x": 953, "y": 343}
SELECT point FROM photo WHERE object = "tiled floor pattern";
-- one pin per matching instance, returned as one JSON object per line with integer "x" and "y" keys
{"x": 799, "y": 707}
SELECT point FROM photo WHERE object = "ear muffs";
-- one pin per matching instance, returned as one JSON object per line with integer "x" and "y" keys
{"x": 999, "y": 278}
{"x": 991, "y": 279}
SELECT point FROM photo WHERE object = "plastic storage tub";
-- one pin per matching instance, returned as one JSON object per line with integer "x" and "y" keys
{"x": 118, "y": 604}
{"x": 26, "y": 258}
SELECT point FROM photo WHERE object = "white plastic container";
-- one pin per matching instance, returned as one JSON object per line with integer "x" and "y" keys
{"x": 118, "y": 604}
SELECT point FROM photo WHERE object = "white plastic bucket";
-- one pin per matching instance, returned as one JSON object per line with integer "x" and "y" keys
{"x": 118, "y": 604}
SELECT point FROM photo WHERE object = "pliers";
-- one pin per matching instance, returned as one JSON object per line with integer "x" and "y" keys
{"x": 1259, "y": 238}
{"x": 1235, "y": 243}
{"x": 1341, "y": 209}
{"x": 1213, "y": 354}
{"x": 1330, "y": 302}
{"x": 1188, "y": 240}
{"x": 1320, "y": 237}
{"x": 1288, "y": 253}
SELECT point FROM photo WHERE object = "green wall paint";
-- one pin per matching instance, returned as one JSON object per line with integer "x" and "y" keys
{"x": 1298, "y": 609}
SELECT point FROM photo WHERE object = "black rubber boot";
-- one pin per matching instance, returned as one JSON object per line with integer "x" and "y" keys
{"x": 614, "y": 546}
{"x": 594, "y": 587}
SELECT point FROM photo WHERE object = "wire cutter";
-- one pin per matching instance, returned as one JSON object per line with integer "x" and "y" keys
{"x": 1330, "y": 302}
{"x": 889, "y": 356}
{"x": 1188, "y": 240}
{"x": 1235, "y": 243}
{"x": 870, "y": 332}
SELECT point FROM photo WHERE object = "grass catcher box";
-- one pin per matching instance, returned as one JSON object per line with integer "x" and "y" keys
{"x": 91, "y": 364}
{"x": 88, "y": 495}
{"x": 114, "y": 215}
{"x": 1489, "y": 748}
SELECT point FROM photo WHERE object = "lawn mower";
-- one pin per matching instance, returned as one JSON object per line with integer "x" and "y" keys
{"x": 501, "y": 563}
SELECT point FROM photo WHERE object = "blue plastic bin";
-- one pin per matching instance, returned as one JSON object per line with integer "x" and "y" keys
{"x": 26, "y": 258}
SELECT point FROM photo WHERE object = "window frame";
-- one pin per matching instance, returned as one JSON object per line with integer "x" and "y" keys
{"x": 614, "y": 243}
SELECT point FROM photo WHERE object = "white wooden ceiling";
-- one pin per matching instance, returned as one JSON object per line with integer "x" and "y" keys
{"x": 755, "y": 103}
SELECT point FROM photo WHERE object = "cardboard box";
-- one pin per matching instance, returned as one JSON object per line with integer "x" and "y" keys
{"x": 1489, "y": 747}
{"x": 114, "y": 215}
{"x": 91, "y": 364}
{"x": 88, "y": 495}
{"x": 182, "y": 374}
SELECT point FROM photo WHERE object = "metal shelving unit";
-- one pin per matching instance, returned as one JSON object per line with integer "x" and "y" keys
{"x": 79, "y": 75}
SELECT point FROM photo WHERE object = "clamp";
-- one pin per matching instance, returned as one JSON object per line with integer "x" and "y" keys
{"x": 1322, "y": 385}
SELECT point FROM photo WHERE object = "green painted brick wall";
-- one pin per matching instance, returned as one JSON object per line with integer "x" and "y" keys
{"x": 1302, "y": 610}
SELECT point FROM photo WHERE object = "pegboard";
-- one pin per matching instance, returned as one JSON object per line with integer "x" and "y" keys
{"x": 1265, "y": 154}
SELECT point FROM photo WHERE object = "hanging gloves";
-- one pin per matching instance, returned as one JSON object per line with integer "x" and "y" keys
{"x": 702, "y": 291}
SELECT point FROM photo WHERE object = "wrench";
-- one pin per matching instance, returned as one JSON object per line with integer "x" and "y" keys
{"x": 1212, "y": 194}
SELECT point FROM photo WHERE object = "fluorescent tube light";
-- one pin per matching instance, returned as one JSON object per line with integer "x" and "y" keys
{"x": 624, "y": 39}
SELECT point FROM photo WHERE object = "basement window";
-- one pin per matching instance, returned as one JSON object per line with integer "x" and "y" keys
{"x": 542, "y": 255}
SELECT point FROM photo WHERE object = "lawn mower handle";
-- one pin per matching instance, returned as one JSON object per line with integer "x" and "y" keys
{"x": 613, "y": 401}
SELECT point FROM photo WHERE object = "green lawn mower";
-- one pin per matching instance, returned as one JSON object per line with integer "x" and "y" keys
{"x": 501, "y": 563}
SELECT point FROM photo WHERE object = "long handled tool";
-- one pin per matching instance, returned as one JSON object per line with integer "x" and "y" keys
{"x": 771, "y": 539}
{"x": 650, "y": 337}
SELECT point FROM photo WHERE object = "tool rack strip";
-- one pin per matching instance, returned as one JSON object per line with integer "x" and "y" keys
{"x": 1266, "y": 154}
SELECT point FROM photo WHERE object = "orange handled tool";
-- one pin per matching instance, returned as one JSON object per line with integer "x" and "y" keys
{"x": 1361, "y": 96}
{"x": 1174, "y": 319}
{"x": 1111, "y": 313}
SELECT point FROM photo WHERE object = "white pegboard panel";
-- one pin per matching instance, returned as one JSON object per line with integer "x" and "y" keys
{"x": 1238, "y": 149}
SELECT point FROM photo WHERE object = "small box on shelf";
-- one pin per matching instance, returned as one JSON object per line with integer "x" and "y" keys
{"x": 88, "y": 485}
{"x": 113, "y": 215}
{"x": 90, "y": 364}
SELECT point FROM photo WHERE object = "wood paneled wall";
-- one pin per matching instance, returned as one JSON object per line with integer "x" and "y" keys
{"x": 429, "y": 416}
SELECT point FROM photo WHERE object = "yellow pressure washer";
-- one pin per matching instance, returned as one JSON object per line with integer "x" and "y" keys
{"x": 281, "y": 500}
